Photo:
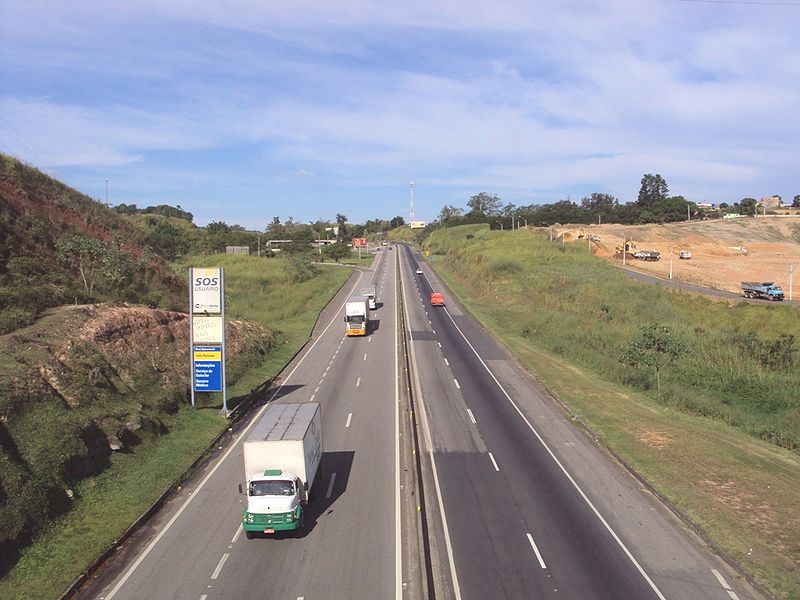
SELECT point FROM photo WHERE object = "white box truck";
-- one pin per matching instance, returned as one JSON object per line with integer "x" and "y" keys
{"x": 281, "y": 462}
{"x": 356, "y": 315}
{"x": 369, "y": 293}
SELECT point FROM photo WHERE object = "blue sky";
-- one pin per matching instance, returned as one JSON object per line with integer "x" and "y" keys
{"x": 240, "y": 111}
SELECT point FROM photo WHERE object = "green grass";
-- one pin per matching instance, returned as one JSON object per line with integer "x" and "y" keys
{"x": 257, "y": 290}
{"x": 567, "y": 316}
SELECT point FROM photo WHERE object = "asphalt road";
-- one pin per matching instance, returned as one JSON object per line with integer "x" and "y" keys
{"x": 195, "y": 550}
{"x": 688, "y": 287}
{"x": 523, "y": 503}
{"x": 518, "y": 502}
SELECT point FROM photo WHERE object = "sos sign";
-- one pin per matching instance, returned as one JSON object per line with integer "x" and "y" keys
{"x": 206, "y": 290}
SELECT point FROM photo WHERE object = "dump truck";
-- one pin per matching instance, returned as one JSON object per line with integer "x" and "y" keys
{"x": 356, "y": 315}
{"x": 650, "y": 255}
{"x": 282, "y": 455}
{"x": 685, "y": 255}
{"x": 369, "y": 293}
{"x": 766, "y": 290}
{"x": 437, "y": 299}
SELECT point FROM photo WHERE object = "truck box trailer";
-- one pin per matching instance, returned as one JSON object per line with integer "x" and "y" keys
{"x": 356, "y": 315}
{"x": 281, "y": 464}
{"x": 369, "y": 293}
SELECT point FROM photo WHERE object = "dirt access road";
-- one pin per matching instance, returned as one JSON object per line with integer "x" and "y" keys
{"x": 724, "y": 252}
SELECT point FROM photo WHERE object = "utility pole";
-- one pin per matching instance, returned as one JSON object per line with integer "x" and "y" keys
{"x": 624, "y": 249}
{"x": 791, "y": 277}
{"x": 106, "y": 192}
{"x": 670, "y": 261}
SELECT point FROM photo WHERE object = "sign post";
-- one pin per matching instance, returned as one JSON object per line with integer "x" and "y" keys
{"x": 207, "y": 332}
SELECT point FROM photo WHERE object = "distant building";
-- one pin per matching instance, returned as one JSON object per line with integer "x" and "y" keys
{"x": 770, "y": 202}
{"x": 705, "y": 206}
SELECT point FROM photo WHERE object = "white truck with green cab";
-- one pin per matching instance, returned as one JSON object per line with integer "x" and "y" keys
{"x": 281, "y": 462}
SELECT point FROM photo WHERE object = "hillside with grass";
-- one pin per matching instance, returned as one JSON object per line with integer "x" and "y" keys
{"x": 95, "y": 422}
{"x": 700, "y": 397}
{"x": 58, "y": 246}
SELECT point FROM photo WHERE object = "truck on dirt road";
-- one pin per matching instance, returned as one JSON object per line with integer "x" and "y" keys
{"x": 766, "y": 290}
{"x": 281, "y": 463}
{"x": 356, "y": 315}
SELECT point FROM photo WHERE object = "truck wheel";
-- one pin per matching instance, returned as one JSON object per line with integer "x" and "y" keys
{"x": 249, "y": 534}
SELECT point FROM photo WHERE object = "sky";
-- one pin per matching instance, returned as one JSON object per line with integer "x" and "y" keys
{"x": 242, "y": 111}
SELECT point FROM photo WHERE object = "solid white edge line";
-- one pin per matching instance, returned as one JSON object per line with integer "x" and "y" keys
{"x": 724, "y": 584}
{"x": 210, "y": 474}
{"x": 536, "y": 550}
{"x": 398, "y": 539}
{"x": 429, "y": 442}
{"x": 221, "y": 563}
{"x": 561, "y": 466}
{"x": 349, "y": 416}
{"x": 494, "y": 462}
{"x": 330, "y": 486}
{"x": 471, "y": 417}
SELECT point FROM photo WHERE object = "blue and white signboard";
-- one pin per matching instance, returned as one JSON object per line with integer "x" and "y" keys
{"x": 207, "y": 361}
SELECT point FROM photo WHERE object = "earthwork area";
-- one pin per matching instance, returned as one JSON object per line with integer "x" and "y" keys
{"x": 724, "y": 252}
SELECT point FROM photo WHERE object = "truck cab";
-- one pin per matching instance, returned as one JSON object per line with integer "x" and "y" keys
{"x": 437, "y": 299}
{"x": 274, "y": 502}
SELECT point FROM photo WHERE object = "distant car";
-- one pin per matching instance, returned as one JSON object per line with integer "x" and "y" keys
{"x": 419, "y": 271}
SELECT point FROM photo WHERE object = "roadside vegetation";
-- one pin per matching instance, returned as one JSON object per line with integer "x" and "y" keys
{"x": 698, "y": 396}
{"x": 259, "y": 291}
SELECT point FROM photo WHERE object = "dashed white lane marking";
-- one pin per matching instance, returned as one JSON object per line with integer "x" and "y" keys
{"x": 312, "y": 397}
{"x": 724, "y": 584}
{"x": 316, "y": 390}
{"x": 236, "y": 535}
{"x": 471, "y": 416}
{"x": 456, "y": 382}
{"x": 330, "y": 486}
{"x": 494, "y": 462}
{"x": 365, "y": 356}
{"x": 447, "y": 362}
{"x": 536, "y": 550}
{"x": 433, "y": 330}
{"x": 203, "y": 597}
{"x": 220, "y": 565}
{"x": 349, "y": 416}
{"x": 358, "y": 382}
{"x": 369, "y": 339}
{"x": 440, "y": 344}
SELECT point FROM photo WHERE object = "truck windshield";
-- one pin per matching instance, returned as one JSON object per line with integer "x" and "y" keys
{"x": 354, "y": 318}
{"x": 275, "y": 487}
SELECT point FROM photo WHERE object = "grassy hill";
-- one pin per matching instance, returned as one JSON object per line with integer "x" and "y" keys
{"x": 720, "y": 438}
{"x": 59, "y": 246}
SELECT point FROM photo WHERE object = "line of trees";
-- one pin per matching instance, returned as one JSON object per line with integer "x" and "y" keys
{"x": 653, "y": 205}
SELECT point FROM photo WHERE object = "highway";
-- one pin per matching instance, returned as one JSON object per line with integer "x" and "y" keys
{"x": 526, "y": 504}
{"x": 518, "y": 502}
{"x": 350, "y": 547}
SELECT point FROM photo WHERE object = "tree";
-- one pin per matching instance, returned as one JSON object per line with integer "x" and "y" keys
{"x": 336, "y": 251}
{"x": 796, "y": 202}
{"x": 599, "y": 204}
{"x": 398, "y": 221}
{"x": 653, "y": 189}
{"x": 485, "y": 204}
{"x": 748, "y": 206}
{"x": 655, "y": 347}
{"x": 449, "y": 213}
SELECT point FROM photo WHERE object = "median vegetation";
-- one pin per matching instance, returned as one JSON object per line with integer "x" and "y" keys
{"x": 699, "y": 396}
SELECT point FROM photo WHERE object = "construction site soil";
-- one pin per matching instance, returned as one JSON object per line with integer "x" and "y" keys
{"x": 724, "y": 252}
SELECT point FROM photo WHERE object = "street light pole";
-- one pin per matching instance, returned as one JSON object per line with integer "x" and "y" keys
{"x": 670, "y": 261}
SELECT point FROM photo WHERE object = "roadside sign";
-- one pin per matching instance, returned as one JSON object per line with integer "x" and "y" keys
{"x": 207, "y": 330}
{"x": 206, "y": 291}
{"x": 207, "y": 369}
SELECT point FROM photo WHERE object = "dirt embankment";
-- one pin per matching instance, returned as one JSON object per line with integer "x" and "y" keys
{"x": 724, "y": 252}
